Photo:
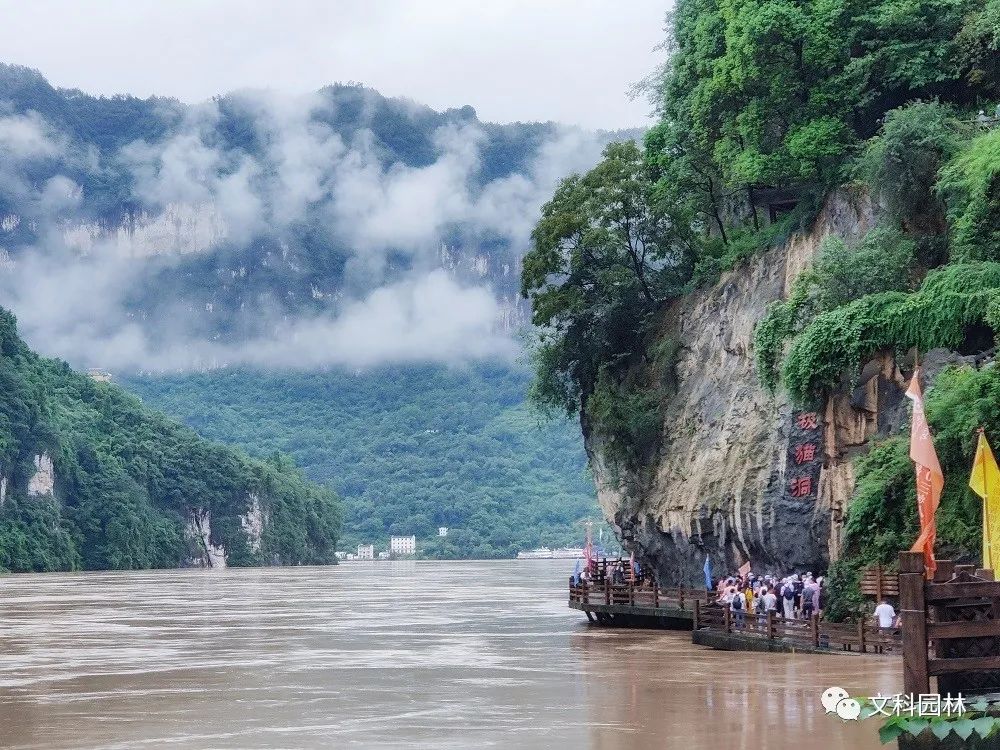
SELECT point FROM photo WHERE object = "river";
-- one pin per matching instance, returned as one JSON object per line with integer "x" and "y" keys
{"x": 435, "y": 654}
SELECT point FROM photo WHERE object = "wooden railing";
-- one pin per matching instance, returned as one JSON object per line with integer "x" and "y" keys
{"x": 862, "y": 637}
{"x": 670, "y": 597}
{"x": 955, "y": 618}
{"x": 879, "y": 583}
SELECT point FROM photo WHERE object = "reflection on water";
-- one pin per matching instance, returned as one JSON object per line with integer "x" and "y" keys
{"x": 444, "y": 655}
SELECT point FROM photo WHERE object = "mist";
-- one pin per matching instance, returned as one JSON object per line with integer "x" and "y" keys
{"x": 80, "y": 286}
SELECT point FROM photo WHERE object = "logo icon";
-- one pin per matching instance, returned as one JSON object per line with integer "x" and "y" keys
{"x": 831, "y": 697}
{"x": 848, "y": 709}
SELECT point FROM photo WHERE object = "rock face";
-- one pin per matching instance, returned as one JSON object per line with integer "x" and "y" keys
{"x": 199, "y": 529}
{"x": 741, "y": 475}
{"x": 43, "y": 481}
{"x": 179, "y": 228}
{"x": 252, "y": 523}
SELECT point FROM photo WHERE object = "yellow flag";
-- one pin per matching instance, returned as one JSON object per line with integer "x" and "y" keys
{"x": 985, "y": 482}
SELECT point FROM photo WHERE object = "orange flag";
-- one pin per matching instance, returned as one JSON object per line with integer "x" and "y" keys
{"x": 930, "y": 479}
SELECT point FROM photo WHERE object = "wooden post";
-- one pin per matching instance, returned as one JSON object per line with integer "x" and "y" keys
{"x": 728, "y": 616}
{"x": 945, "y": 570}
{"x": 607, "y": 591}
{"x": 861, "y": 635}
{"x": 815, "y": 629}
{"x": 878, "y": 582}
{"x": 913, "y": 613}
{"x": 681, "y": 592}
{"x": 770, "y": 624}
{"x": 656, "y": 595}
{"x": 697, "y": 614}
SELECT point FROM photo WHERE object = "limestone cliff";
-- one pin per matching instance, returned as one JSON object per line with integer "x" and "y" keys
{"x": 740, "y": 474}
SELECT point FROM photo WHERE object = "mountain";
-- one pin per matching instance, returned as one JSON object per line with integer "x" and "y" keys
{"x": 332, "y": 246}
{"x": 209, "y": 229}
{"x": 90, "y": 478}
{"x": 410, "y": 449}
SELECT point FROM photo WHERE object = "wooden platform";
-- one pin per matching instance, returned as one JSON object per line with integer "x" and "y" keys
{"x": 629, "y": 616}
{"x": 678, "y": 608}
{"x": 632, "y": 605}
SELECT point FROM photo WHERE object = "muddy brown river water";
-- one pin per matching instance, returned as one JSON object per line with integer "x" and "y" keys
{"x": 373, "y": 655}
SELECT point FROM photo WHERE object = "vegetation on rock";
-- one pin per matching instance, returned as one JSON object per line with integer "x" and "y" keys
{"x": 128, "y": 479}
{"x": 409, "y": 449}
{"x": 767, "y": 103}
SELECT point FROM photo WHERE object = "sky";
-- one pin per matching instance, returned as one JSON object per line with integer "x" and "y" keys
{"x": 570, "y": 61}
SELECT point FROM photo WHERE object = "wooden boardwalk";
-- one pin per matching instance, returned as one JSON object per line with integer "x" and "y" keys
{"x": 632, "y": 605}
{"x": 794, "y": 634}
{"x": 638, "y": 605}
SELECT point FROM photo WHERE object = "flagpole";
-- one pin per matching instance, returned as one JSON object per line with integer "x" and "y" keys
{"x": 987, "y": 545}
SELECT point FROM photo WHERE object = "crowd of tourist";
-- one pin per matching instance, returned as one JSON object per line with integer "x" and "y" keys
{"x": 793, "y": 596}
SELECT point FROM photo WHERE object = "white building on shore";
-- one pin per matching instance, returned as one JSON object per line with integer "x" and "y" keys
{"x": 402, "y": 545}
{"x": 366, "y": 551}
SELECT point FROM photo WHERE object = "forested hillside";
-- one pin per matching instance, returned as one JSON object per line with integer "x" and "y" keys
{"x": 767, "y": 109}
{"x": 304, "y": 237}
{"x": 90, "y": 478}
{"x": 409, "y": 449}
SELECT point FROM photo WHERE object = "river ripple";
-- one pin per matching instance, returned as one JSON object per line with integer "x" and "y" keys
{"x": 435, "y": 654}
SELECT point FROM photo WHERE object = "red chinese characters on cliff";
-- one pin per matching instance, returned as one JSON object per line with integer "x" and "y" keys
{"x": 807, "y": 420}
{"x": 801, "y": 487}
{"x": 804, "y": 456}
{"x": 805, "y": 452}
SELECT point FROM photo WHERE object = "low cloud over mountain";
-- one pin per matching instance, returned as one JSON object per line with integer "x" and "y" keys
{"x": 292, "y": 231}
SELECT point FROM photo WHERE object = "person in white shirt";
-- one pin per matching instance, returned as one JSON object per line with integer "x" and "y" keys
{"x": 885, "y": 615}
{"x": 770, "y": 601}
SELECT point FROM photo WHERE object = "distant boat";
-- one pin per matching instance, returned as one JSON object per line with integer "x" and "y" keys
{"x": 568, "y": 553}
{"x": 544, "y": 553}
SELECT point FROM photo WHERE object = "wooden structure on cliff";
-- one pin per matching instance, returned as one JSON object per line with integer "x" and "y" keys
{"x": 951, "y": 627}
{"x": 879, "y": 583}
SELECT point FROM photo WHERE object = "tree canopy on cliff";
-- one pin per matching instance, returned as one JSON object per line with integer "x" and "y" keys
{"x": 776, "y": 93}
{"x": 606, "y": 255}
{"x": 767, "y": 103}
{"x": 769, "y": 95}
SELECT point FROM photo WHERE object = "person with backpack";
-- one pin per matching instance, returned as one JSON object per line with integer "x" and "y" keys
{"x": 797, "y": 585}
{"x": 788, "y": 599}
{"x": 738, "y": 605}
{"x": 808, "y": 597}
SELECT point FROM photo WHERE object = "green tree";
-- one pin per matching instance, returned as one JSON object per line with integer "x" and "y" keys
{"x": 605, "y": 256}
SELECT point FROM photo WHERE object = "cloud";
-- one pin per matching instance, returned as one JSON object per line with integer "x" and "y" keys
{"x": 84, "y": 302}
{"x": 26, "y": 140}
{"x": 28, "y": 136}
{"x": 74, "y": 311}
{"x": 376, "y": 206}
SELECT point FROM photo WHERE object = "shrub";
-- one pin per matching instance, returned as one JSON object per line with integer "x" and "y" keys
{"x": 971, "y": 189}
{"x": 901, "y": 163}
